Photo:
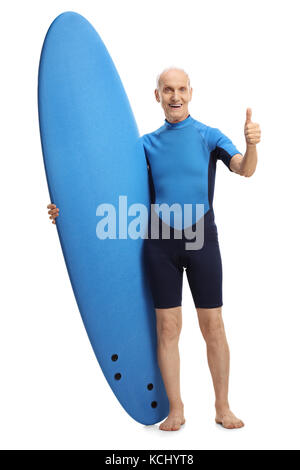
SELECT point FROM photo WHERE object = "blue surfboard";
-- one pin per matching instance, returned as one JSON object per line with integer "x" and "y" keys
{"x": 92, "y": 155}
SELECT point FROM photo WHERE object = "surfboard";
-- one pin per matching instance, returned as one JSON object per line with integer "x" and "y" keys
{"x": 92, "y": 155}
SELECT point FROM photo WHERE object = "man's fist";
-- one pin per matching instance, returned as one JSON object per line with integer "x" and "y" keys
{"x": 54, "y": 211}
{"x": 252, "y": 129}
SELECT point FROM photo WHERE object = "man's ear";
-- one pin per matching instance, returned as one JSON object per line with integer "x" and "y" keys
{"x": 157, "y": 95}
{"x": 191, "y": 92}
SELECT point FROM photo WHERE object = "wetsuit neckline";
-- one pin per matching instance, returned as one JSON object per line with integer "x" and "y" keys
{"x": 179, "y": 125}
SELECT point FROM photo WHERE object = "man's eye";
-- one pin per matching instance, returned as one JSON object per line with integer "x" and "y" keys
{"x": 182, "y": 89}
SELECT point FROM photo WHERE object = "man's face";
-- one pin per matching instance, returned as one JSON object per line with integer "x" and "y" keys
{"x": 174, "y": 95}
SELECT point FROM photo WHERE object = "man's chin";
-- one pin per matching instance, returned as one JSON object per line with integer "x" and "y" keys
{"x": 173, "y": 116}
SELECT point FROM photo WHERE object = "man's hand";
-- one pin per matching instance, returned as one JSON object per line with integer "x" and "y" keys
{"x": 246, "y": 165}
{"x": 54, "y": 211}
{"x": 251, "y": 130}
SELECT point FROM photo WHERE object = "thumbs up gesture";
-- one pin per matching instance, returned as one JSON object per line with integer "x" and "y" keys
{"x": 251, "y": 130}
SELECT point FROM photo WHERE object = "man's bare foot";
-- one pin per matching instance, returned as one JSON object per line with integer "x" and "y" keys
{"x": 173, "y": 421}
{"x": 228, "y": 420}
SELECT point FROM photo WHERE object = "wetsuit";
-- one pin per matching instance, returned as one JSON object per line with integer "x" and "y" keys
{"x": 182, "y": 161}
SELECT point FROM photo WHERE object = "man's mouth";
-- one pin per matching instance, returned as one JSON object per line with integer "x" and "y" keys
{"x": 175, "y": 106}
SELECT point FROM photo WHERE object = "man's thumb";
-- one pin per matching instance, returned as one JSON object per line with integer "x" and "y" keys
{"x": 248, "y": 115}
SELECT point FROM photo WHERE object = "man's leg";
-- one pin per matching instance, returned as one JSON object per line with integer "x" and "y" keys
{"x": 168, "y": 325}
{"x": 212, "y": 328}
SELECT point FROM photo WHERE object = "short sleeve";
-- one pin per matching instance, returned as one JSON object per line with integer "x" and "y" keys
{"x": 221, "y": 145}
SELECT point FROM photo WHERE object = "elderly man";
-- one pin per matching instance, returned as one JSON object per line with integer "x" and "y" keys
{"x": 181, "y": 157}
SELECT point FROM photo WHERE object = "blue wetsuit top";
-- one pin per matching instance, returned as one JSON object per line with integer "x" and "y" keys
{"x": 182, "y": 159}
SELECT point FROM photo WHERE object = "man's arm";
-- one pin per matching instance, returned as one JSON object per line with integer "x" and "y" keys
{"x": 246, "y": 165}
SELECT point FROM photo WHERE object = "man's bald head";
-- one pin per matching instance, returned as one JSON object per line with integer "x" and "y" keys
{"x": 168, "y": 71}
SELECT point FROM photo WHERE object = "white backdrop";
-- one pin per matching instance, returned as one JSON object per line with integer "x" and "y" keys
{"x": 53, "y": 394}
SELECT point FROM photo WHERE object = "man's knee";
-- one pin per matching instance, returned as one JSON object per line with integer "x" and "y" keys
{"x": 212, "y": 326}
{"x": 168, "y": 322}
